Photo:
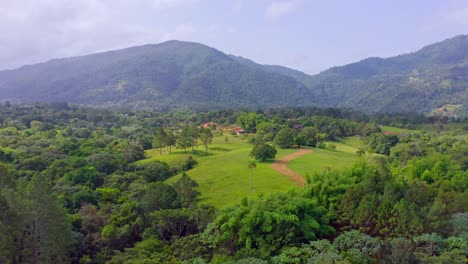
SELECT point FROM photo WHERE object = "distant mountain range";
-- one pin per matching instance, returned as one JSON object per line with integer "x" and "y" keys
{"x": 177, "y": 74}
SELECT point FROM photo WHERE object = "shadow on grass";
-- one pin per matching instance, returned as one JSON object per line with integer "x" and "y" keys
{"x": 219, "y": 149}
{"x": 269, "y": 161}
{"x": 195, "y": 153}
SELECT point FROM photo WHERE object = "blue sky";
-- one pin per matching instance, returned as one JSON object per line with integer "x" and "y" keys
{"x": 309, "y": 35}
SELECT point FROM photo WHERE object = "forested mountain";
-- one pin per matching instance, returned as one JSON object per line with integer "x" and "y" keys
{"x": 174, "y": 74}
{"x": 433, "y": 77}
{"x": 183, "y": 74}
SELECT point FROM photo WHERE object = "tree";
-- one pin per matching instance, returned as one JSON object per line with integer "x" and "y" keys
{"x": 263, "y": 152}
{"x": 155, "y": 171}
{"x": 285, "y": 137}
{"x": 171, "y": 140}
{"x": 186, "y": 190}
{"x": 187, "y": 138}
{"x": 249, "y": 121}
{"x": 310, "y": 135}
{"x": 269, "y": 223}
{"x": 38, "y": 226}
{"x": 132, "y": 152}
{"x": 251, "y": 165}
{"x": 206, "y": 138}
{"x": 358, "y": 247}
{"x": 382, "y": 143}
{"x": 160, "y": 139}
{"x": 159, "y": 196}
{"x": 125, "y": 226}
{"x": 370, "y": 128}
{"x": 103, "y": 162}
{"x": 300, "y": 140}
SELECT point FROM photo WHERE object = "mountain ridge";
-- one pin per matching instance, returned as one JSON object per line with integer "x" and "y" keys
{"x": 189, "y": 74}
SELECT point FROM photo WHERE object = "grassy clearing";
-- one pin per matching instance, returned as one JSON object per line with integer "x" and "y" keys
{"x": 321, "y": 159}
{"x": 354, "y": 141}
{"x": 396, "y": 130}
{"x": 223, "y": 176}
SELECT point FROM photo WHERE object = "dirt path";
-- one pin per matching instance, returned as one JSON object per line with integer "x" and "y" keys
{"x": 281, "y": 166}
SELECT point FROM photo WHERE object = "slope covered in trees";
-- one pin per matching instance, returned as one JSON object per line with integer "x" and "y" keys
{"x": 430, "y": 78}
{"x": 71, "y": 190}
{"x": 171, "y": 74}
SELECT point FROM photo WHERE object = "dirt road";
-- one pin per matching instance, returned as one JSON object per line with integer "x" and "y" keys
{"x": 281, "y": 166}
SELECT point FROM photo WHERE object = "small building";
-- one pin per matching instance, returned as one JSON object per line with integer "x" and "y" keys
{"x": 240, "y": 131}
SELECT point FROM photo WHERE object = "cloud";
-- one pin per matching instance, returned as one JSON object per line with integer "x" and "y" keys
{"x": 278, "y": 9}
{"x": 49, "y": 29}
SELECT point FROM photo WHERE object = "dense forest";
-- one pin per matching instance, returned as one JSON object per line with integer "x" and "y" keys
{"x": 73, "y": 188}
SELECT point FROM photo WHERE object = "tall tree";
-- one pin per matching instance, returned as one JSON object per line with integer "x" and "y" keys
{"x": 37, "y": 225}
{"x": 160, "y": 139}
{"x": 51, "y": 234}
{"x": 251, "y": 165}
{"x": 206, "y": 138}
{"x": 171, "y": 140}
{"x": 187, "y": 138}
{"x": 186, "y": 190}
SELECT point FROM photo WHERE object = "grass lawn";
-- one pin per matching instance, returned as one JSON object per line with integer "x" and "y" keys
{"x": 354, "y": 141}
{"x": 223, "y": 176}
{"x": 319, "y": 159}
{"x": 396, "y": 130}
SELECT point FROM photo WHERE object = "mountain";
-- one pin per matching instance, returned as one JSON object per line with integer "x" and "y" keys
{"x": 170, "y": 74}
{"x": 186, "y": 74}
{"x": 435, "y": 77}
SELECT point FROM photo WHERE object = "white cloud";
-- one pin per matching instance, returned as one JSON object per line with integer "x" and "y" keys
{"x": 278, "y": 9}
{"x": 49, "y": 29}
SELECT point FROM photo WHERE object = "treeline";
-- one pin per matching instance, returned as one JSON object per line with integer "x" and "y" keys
{"x": 73, "y": 189}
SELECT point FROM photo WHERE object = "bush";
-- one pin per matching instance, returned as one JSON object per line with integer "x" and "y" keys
{"x": 189, "y": 163}
{"x": 321, "y": 145}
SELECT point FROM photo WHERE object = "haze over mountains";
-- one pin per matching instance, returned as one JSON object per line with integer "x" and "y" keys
{"x": 185, "y": 74}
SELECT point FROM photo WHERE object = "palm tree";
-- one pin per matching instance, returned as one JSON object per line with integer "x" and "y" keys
{"x": 251, "y": 165}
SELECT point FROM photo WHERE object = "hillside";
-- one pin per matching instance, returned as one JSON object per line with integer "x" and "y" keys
{"x": 177, "y": 74}
{"x": 432, "y": 78}
{"x": 170, "y": 74}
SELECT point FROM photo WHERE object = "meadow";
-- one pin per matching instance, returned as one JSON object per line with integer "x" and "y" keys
{"x": 223, "y": 175}
{"x": 319, "y": 160}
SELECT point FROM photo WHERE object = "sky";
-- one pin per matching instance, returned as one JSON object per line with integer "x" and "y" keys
{"x": 308, "y": 35}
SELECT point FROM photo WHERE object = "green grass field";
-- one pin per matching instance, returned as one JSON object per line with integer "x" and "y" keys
{"x": 396, "y": 129}
{"x": 322, "y": 159}
{"x": 224, "y": 178}
{"x": 355, "y": 141}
